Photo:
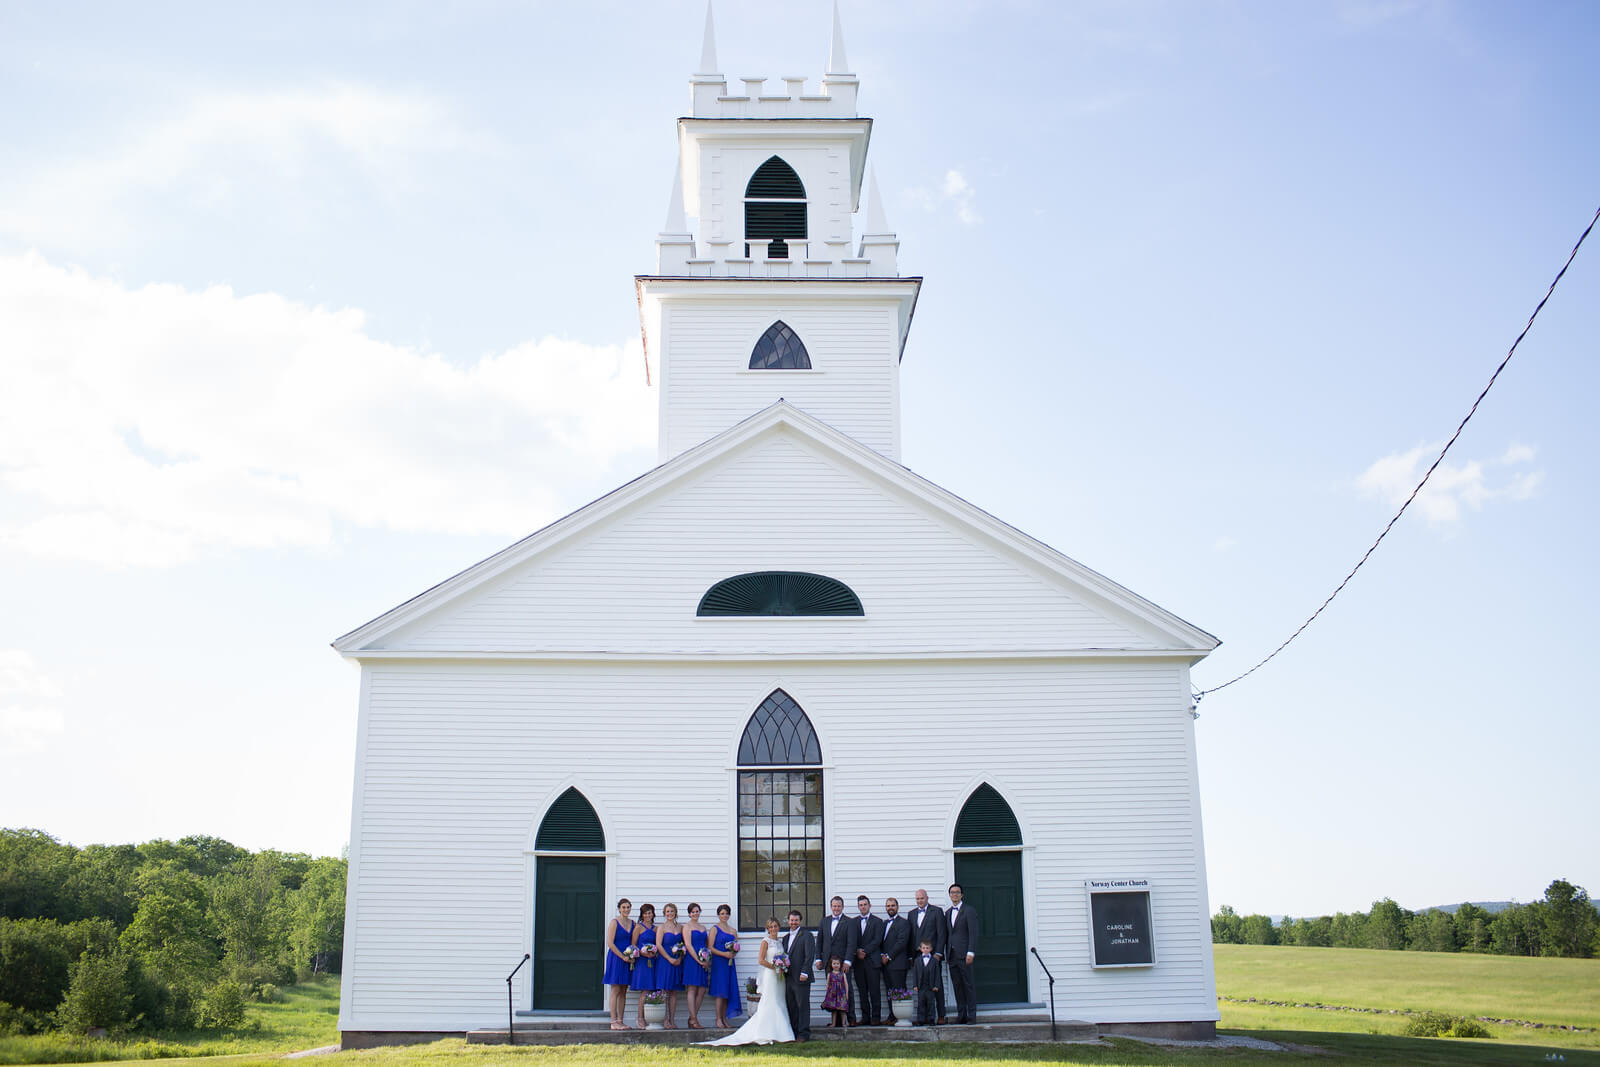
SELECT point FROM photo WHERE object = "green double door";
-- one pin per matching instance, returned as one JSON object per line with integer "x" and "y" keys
{"x": 569, "y": 927}
{"x": 992, "y": 884}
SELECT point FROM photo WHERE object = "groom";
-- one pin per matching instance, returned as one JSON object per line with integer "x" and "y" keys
{"x": 801, "y": 947}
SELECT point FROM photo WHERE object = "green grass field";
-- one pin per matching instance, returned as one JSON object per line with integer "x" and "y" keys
{"x": 1538, "y": 990}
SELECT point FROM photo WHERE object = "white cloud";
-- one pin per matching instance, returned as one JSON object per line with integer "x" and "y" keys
{"x": 222, "y": 150}
{"x": 143, "y": 427}
{"x": 1452, "y": 489}
{"x": 29, "y": 711}
{"x": 954, "y": 192}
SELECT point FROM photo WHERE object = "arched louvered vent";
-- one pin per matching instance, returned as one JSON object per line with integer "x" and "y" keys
{"x": 779, "y": 593}
{"x": 779, "y": 734}
{"x": 986, "y": 820}
{"x": 571, "y": 825}
{"x": 780, "y": 348}
{"x": 774, "y": 208}
{"x": 775, "y": 180}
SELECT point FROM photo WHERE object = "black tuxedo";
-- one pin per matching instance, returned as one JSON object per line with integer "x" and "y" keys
{"x": 839, "y": 942}
{"x": 932, "y": 929}
{"x": 925, "y": 979}
{"x": 801, "y": 947}
{"x": 868, "y": 971}
{"x": 960, "y": 938}
{"x": 896, "y": 946}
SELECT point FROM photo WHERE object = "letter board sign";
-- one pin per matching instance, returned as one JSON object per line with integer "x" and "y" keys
{"x": 1119, "y": 922}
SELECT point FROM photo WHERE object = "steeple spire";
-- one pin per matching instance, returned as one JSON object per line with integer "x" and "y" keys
{"x": 838, "y": 62}
{"x": 876, "y": 223}
{"x": 708, "y": 50}
{"x": 676, "y": 224}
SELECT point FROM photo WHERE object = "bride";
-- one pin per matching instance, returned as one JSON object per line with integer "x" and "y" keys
{"x": 770, "y": 1023}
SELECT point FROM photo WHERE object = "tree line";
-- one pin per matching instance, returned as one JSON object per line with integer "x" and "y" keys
{"x": 167, "y": 935}
{"x": 1565, "y": 923}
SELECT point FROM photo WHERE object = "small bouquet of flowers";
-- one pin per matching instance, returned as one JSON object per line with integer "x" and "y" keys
{"x": 897, "y": 995}
{"x": 780, "y": 963}
{"x": 677, "y": 953}
{"x": 630, "y": 954}
{"x": 704, "y": 957}
{"x": 651, "y": 951}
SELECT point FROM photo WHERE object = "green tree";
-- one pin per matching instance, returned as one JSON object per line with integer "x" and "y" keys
{"x": 1568, "y": 920}
{"x": 174, "y": 941}
{"x": 1258, "y": 930}
{"x": 100, "y": 882}
{"x": 1226, "y": 927}
{"x": 1386, "y": 925}
{"x": 100, "y": 993}
{"x": 250, "y": 906}
{"x": 318, "y": 907}
{"x": 1472, "y": 928}
{"x": 33, "y": 871}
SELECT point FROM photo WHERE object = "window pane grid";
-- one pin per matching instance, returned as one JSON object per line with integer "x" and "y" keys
{"x": 780, "y": 854}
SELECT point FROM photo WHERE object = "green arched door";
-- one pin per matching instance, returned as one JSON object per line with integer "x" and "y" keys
{"x": 992, "y": 881}
{"x": 569, "y": 913}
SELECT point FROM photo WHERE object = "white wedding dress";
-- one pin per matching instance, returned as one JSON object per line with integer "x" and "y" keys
{"x": 770, "y": 1023}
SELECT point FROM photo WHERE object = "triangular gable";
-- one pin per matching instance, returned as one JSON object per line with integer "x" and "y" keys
{"x": 1132, "y": 622}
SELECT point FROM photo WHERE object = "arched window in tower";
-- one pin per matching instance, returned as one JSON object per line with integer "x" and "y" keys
{"x": 774, "y": 208}
{"x": 780, "y": 348}
{"x": 780, "y": 814}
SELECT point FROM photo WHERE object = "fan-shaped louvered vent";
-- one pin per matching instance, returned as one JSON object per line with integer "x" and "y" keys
{"x": 780, "y": 348}
{"x": 571, "y": 826}
{"x": 986, "y": 819}
{"x": 775, "y": 180}
{"x": 779, "y": 593}
{"x": 779, "y": 734}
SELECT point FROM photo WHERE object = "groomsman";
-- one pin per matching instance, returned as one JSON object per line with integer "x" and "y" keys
{"x": 896, "y": 952}
{"x": 801, "y": 949}
{"x": 960, "y": 947}
{"x": 927, "y": 924}
{"x": 836, "y": 936}
{"x": 868, "y": 969}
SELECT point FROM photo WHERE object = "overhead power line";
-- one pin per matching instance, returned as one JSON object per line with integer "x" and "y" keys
{"x": 1198, "y": 696}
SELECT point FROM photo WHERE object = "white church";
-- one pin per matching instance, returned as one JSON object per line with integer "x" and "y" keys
{"x": 777, "y": 667}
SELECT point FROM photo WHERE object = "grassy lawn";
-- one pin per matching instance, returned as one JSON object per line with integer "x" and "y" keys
{"x": 1537, "y": 990}
{"x": 304, "y": 1016}
{"x": 1547, "y": 991}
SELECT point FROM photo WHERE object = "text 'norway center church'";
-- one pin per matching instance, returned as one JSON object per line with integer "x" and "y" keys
{"x": 779, "y": 666}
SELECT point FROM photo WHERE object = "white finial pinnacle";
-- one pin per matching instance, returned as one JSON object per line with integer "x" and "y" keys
{"x": 876, "y": 223}
{"x": 838, "y": 63}
{"x": 708, "y": 50}
{"x": 676, "y": 223}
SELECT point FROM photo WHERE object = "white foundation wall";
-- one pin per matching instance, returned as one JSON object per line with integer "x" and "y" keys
{"x": 707, "y": 384}
{"x": 634, "y": 584}
{"x": 458, "y": 761}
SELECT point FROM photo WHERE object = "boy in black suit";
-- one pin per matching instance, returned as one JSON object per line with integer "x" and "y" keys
{"x": 925, "y": 980}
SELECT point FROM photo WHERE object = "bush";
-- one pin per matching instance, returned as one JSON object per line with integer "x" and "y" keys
{"x": 99, "y": 995}
{"x": 1438, "y": 1024}
{"x": 222, "y": 1006}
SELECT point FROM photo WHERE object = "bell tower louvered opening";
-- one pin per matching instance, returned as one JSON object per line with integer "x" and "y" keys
{"x": 571, "y": 825}
{"x": 780, "y": 348}
{"x": 779, "y": 593}
{"x": 987, "y": 821}
{"x": 774, "y": 208}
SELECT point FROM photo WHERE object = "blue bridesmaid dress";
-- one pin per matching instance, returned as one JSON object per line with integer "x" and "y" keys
{"x": 725, "y": 972}
{"x": 617, "y": 970}
{"x": 644, "y": 968}
{"x": 669, "y": 975}
{"x": 693, "y": 973}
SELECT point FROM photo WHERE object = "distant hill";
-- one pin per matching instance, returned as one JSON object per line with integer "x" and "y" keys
{"x": 1490, "y": 906}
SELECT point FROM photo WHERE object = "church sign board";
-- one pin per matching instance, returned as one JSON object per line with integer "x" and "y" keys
{"x": 1119, "y": 922}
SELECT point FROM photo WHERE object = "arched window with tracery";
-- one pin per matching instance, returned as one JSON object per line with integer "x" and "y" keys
{"x": 780, "y": 814}
{"x": 774, "y": 208}
{"x": 780, "y": 348}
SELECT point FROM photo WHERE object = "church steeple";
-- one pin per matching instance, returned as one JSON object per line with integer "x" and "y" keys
{"x": 761, "y": 236}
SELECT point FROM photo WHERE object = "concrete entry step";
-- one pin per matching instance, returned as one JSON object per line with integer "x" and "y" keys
{"x": 585, "y": 1032}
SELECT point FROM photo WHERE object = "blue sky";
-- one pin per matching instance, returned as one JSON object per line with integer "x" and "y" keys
{"x": 304, "y": 309}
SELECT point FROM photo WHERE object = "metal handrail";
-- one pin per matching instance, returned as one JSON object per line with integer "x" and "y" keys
{"x": 511, "y": 1033}
{"x": 1052, "y": 978}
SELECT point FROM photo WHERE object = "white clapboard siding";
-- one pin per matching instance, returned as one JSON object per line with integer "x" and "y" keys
{"x": 633, "y": 585}
{"x": 707, "y": 386}
{"x": 459, "y": 761}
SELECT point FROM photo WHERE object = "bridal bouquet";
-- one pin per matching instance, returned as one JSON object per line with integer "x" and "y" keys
{"x": 780, "y": 963}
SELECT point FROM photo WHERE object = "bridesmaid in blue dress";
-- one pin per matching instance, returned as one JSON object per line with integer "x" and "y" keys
{"x": 724, "y": 971}
{"x": 619, "y": 935}
{"x": 669, "y": 968}
{"x": 695, "y": 976}
{"x": 644, "y": 965}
